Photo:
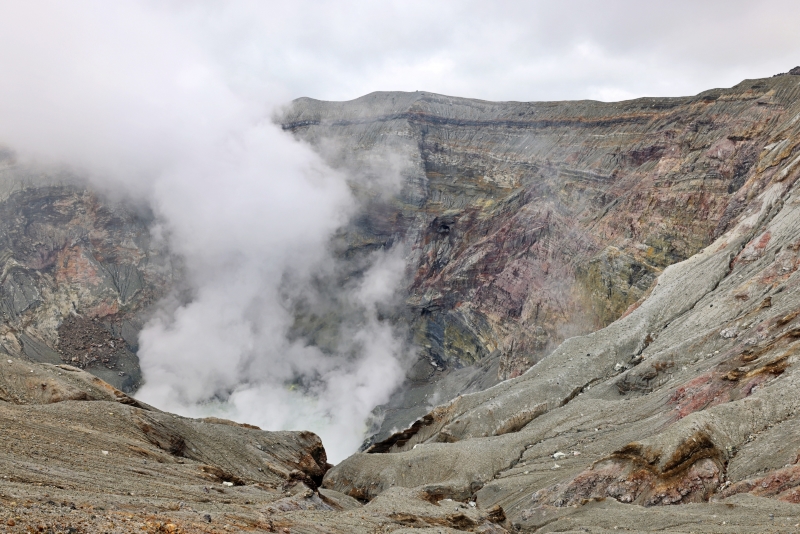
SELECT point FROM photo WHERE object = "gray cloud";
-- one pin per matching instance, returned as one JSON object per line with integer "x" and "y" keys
{"x": 511, "y": 50}
{"x": 169, "y": 104}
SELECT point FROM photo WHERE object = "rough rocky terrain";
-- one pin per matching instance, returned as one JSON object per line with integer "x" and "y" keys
{"x": 530, "y": 223}
{"x": 691, "y": 397}
{"x": 79, "y": 455}
{"x": 680, "y": 414}
{"x": 79, "y": 273}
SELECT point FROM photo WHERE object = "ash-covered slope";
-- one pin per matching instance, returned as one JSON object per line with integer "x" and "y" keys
{"x": 529, "y": 223}
{"x": 690, "y": 397}
{"x": 78, "y": 455}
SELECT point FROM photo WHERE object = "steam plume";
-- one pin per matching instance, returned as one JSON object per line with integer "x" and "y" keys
{"x": 126, "y": 96}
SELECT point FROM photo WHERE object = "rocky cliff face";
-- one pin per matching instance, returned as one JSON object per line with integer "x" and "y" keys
{"x": 524, "y": 224}
{"x": 632, "y": 268}
{"x": 689, "y": 397}
{"x": 529, "y": 223}
{"x": 78, "y": 275}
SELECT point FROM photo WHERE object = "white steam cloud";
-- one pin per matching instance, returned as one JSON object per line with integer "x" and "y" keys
{"x": 126, "y": 95}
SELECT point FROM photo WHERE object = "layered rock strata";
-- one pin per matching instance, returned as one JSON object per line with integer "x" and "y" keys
{"x": 79, "y": 274}
{"x": 530, "y": 223}
{"x": 679, "y": 416}
{"x": 689, "y": 398}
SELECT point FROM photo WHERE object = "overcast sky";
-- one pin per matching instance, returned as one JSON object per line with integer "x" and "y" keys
{"x": 498, "y": 50}
{"x": 504, "y": 50}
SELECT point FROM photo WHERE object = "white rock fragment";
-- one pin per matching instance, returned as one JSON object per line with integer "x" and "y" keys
{"x": 105, "y": 453}
{"x": 729, "y": 333}
{"x": 558, "y": 455}
{"x": 556, "y": 466}
{"x": 226, "y": 483}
